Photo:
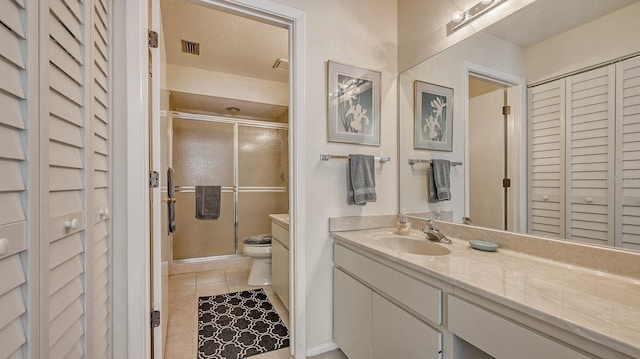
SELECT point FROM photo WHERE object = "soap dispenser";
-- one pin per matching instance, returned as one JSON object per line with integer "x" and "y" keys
{"x": 403, "y": 226}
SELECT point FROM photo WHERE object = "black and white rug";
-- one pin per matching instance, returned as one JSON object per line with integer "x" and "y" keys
{"x": 239, "y": 325}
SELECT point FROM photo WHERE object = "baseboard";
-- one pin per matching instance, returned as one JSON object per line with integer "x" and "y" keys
{"x": 323, "y": 348}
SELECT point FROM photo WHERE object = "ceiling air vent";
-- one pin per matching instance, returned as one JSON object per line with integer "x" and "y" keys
{"x": 190, "y": 47}
{"x": 281, "y": 64}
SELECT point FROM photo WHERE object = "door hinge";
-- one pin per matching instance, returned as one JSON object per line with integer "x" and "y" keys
{"x": 155, "y": 319}
{"x": 506, "y": 182}
{"x": 154, "y": 179}
{"x": 506, "y": 110}
{"x": 153, "y": 39}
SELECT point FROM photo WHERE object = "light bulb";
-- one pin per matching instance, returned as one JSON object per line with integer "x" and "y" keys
{"x": 458, "y": 16}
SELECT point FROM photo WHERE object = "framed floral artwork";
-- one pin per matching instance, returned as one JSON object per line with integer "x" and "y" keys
{"x": 353, "y": 105}
{"x": 433, "y": 117}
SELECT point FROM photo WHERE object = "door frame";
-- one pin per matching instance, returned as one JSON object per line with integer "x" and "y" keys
{"x": 517, "y": 132}
{"x": 131, "y": 218}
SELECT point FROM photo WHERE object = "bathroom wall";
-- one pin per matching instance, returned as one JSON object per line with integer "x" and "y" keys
{"x": 422, "y": 26}
{"x": 218, "y": 84}
{"x": 573, "y": 49}
{"x": 361, "y": 33}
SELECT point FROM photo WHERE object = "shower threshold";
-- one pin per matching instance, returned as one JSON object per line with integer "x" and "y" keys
{"x": 209, "y": 263}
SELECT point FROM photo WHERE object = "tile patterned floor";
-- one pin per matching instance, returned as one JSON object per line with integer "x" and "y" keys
{"x": 184, "y": 290}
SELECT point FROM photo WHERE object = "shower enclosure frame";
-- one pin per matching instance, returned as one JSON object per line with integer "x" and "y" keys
{"x": 236, "y": 189}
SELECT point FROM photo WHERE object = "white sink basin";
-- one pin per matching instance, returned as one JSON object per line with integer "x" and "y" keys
{"x": 412, "y": 245}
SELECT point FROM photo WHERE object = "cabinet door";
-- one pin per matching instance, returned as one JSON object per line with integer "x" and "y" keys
{"x": 590, "y": 150}
{"x": 546, "y": 159}
{"x": 280, "y": 271}
{"x": 628, "y": 154}
{"x": 351, "y": 316}
{"x": 398, "y": 334}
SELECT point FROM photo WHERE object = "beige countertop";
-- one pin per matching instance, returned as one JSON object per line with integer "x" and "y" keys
{"x": 599, "y": 306}
{"x": 281, "y": 219}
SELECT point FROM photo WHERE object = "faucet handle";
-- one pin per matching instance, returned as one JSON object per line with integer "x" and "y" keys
{"x": 431, "y": 225}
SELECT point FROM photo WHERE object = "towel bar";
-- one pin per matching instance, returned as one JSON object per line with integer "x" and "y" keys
{"x": 346, "y": 157}
{"x": 413, "y": 162}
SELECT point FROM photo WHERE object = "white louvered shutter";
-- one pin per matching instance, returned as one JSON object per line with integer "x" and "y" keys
{"x": 590, "y": 147}
{"x": 14, "y": 123}
{"x": 100, "y": 108}
{"x": 628, "y": 154}
{"x": 67, "y": 198}
{"x": 546, "y": 159}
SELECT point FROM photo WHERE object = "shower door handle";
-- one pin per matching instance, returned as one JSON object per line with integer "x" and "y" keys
{"x": 172, "y": 199}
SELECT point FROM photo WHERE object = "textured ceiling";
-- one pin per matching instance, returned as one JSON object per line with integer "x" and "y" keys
{"x": 228, "y": 43}
{"x": 188, "y": 102}
{"x": 546, "y": 18}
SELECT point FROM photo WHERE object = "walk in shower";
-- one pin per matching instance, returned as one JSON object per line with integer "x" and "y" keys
{"x": 247, "y": 158}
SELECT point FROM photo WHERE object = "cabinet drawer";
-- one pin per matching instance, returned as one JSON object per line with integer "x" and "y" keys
{"x": 500, "y": 337}
{"x": 418, "y": 296}
{"x": 280, "y": 234}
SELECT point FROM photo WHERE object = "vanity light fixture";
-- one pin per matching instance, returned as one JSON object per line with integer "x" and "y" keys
{"x": 462, "y": 18}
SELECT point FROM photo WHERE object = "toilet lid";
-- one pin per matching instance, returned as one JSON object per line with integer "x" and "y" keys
{"x": 258, "y": 239}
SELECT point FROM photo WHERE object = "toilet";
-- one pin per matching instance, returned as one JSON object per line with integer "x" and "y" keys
{"x": 259, "y": 248}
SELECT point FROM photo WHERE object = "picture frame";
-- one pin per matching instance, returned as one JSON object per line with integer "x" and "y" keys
{"x": 353, "y": 114}
{"x": 433, "y": 117}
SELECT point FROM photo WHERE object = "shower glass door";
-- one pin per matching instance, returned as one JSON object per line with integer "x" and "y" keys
{"x": 263, "y": 174}
{"x": 203, "y": 154}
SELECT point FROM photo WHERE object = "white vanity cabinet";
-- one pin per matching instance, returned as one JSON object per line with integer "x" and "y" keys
{"x": 280, "y": 262}
{"x": 380, "y": 312}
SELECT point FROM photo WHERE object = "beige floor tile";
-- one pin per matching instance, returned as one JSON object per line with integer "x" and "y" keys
{"x": 182, "y": 280}
{"x": 275, "y": 354}
{"x": 237, "y": 274}
{"x": 182, "y": 323}
{"x": 211, "y": 276}
{"x": 240, "y": 285}
{"x": 179, "y": 347}
{"x": 212, "y": 289}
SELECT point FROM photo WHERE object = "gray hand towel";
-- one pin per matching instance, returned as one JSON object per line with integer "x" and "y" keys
{"x": 171, "y": 211}
{"x": 439, "y": 181}
{"x": 208, "y": 202}
{"x": 361, "y": 180}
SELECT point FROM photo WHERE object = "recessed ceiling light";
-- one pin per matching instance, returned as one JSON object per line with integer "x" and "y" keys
{"x": 233, "y": 109}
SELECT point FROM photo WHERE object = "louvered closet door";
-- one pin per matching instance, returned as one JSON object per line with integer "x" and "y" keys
{"x": 13, "y": 170}
{"x": 546, "y": 159}
{"x": 100, "y": 107}
{"x": 590, "y": 155}
{"x": 68, "y": 198}
{"x": 628, "y": 154}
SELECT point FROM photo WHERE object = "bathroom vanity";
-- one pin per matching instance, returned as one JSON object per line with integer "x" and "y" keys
{"x": 403, "y": 296}
{"x": 280, "y": 256}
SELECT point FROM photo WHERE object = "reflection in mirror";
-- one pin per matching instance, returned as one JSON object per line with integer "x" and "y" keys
{"x": 562, "y": 159}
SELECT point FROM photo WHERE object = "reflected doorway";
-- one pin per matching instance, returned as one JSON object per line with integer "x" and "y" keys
{"x": 489, "y": 172}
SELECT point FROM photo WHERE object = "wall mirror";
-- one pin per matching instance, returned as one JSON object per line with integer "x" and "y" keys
{"x": 546, "y": 124}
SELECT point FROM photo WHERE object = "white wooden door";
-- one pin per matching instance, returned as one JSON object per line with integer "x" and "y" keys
{"x": 546, "y": 159}
{"x": 486, "y": 160}
{"x": 628, "y": 154}
{"x": 101, "y": 178}
{"x": 18, "y": 253}
{"x": 590, "y": 148}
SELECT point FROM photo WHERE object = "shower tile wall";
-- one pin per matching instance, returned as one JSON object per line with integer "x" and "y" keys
{"x": 203, "y": 154}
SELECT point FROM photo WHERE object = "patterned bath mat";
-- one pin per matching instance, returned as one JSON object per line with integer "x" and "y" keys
{"x": 239, "y": 325}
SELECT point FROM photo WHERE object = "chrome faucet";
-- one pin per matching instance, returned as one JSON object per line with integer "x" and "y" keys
{"x": 434, "y": 234}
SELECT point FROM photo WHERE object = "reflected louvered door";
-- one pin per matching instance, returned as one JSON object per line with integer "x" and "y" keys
{"x": 68, "y": 124}
{"x": 546, "y": 159}
{"x": 590, "y": 147}
{"x": 628, "y": 154}
{"x": 15, "y": 40}
{"x": 101, "y": 133}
